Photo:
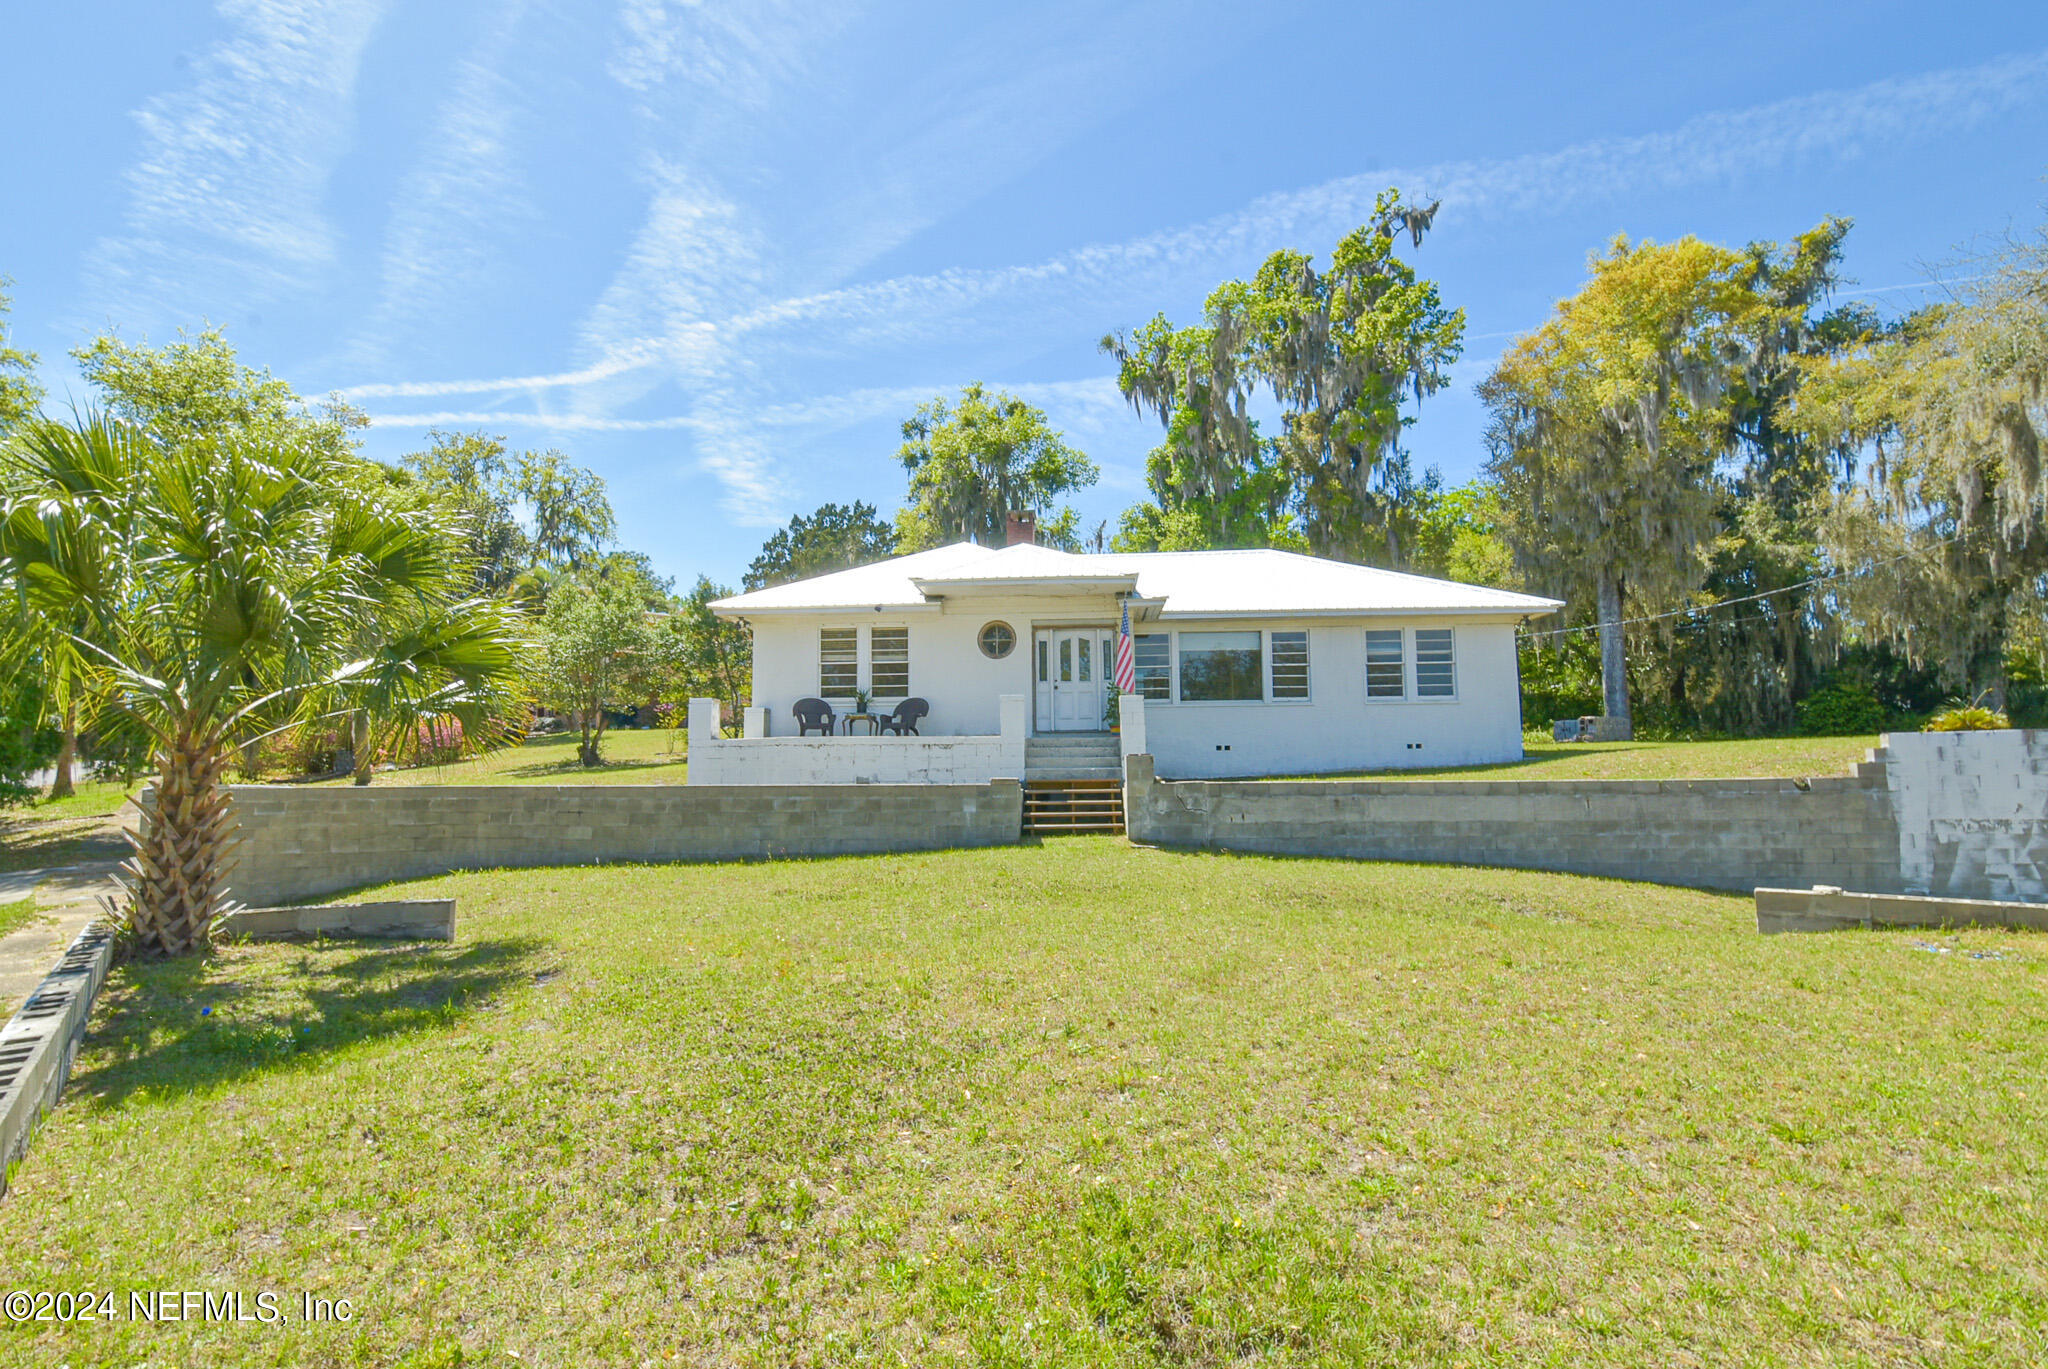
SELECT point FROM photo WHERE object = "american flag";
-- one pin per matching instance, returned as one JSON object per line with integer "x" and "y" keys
{"x": 1126, "y": 666}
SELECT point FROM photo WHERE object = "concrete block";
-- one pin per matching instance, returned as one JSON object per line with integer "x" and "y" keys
{"x": 404, "y": 919}
{"x": 1830, "y": 908}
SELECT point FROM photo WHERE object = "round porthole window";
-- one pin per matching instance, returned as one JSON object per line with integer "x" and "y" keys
{"x": 997, "y": 641}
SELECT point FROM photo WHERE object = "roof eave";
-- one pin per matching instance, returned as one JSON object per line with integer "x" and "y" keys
{"x": 1464, "y": 611}
{"x": 729, "y": 609}
{"x": 1054, "y": 583}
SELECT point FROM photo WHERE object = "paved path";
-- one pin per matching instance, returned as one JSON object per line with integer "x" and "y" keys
{"x": 66, "y": 899}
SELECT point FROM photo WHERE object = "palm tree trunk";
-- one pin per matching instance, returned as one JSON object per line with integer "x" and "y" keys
{"x": 359, "y": 741}
{"x": 1613, "y": 661}
{"x": 61, "y": 786}
{"x": 176, "y": 875}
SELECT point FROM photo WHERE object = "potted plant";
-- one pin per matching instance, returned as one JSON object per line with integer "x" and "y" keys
{"x": 1112, "y": 711}
{"x": 860, "y": 701}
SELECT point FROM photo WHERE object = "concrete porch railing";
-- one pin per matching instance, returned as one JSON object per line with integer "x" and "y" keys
{"x": 759, "y": 759}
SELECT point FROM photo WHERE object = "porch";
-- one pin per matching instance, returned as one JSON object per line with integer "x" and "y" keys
{"x": 1013, "y": 752}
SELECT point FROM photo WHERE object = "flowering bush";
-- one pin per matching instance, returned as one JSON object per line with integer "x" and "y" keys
{"x": 1974, "y": 718}
{"x": 439, "y": 740}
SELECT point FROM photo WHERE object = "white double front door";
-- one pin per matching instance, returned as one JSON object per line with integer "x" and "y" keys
{"x": 1071, "y": 666}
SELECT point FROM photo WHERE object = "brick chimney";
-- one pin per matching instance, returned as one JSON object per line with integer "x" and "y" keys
{"x": 1020, "y": 527}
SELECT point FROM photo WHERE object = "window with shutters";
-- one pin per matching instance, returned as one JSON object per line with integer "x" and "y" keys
{"x": 889, "y": 663}
{"x": 1152, "y": 657}
{"x": 1385, "y": 671}
{"x": 1290, "y": 665}
{"x": 838, "y": 662}
{"x": 1436, "y": 667}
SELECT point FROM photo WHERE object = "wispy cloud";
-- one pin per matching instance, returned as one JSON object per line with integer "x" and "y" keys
{"x": 631, "y": 360}
{"x": 1716, "y": 147}
{"x": 564, "y": 423}
{"x": 872, "y": 176}
{"x": 741, "y": 52}
{"x": 692, "y": 306}
{"x": 464, "y": 190}
{"x": 1087, "y": 398}
{"x": 227, "y": 199}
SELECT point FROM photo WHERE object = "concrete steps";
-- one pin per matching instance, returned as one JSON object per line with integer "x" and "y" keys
{"x": 1074, "y": 756}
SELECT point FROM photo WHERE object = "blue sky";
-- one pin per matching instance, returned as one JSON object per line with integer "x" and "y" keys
{"x": 718, "y": 251}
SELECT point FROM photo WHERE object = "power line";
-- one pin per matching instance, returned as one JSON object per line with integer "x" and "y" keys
{"x": 1749, "y": 598}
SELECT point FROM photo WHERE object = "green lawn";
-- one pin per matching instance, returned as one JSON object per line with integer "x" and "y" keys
{"x": 652, "y": 756}
{"x": 16, "y": 915}
{"x": 1070, "y": 1104}
{"x": 1786, "y": 757}
{"x": 93, "y": 799}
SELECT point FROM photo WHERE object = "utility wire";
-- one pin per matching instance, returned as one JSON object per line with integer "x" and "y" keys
{"x": 1747, "y": 598}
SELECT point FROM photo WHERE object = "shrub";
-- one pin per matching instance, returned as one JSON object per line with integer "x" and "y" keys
{"x": 438, "y": 741}
{"x": 1561, "y": 678}
{"x": 1843, "y": 710}
{"x": 1974, "y": 718}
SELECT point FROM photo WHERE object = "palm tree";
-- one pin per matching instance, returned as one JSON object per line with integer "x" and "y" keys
{"x": 226, "y": 589}
{"x": 46, "y": 634}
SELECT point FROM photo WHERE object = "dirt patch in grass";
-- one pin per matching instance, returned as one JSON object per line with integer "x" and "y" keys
{"x": 1072, "y": 1104}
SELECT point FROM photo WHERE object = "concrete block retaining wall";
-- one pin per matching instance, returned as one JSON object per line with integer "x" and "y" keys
{"x": 301, "y": 842}
{"x": 1973, "y": 813}
{"x": 1715, "y": 834}
{"x": 38, "y": 1046}
{"x": 1951, "y": 816}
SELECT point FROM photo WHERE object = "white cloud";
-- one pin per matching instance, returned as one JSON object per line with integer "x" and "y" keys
{"x": 1091, "y": 397}
{"x": 741, "y": 52}
{"x": 227, "y": 200}
{"x": 465, "y": 188}
{"x": 1723, "y": 146}
{"x": 588, "y": 375}
{"x": 713, "y": 80}
{"x": 694, "y": 301}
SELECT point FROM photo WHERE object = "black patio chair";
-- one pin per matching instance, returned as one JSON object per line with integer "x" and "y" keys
{"x": 812, "y": 715}
{"x": 903, "y": 722}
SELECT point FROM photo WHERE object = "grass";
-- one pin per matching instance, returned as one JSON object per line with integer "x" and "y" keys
{"x": 1768, "y": 757}
{"x": 92, "y": 799}
{"x": 18, "y": 914}
{"x": 1076, "y": 1104}
{"x": 657, "y": 757}
{"x": 649, "y": 756}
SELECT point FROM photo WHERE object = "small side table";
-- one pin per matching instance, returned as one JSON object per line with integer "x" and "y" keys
{"x": 873, "y": 720}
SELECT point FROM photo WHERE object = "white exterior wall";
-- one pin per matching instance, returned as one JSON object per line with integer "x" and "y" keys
{"x": 947, "y": 668}
{"x": 1336, "y": 729}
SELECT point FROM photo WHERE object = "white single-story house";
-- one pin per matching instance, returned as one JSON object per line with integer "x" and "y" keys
{"x": 1247, "y": 662}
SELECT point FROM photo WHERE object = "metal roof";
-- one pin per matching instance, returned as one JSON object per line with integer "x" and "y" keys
{"x": 1185, "y": 584}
